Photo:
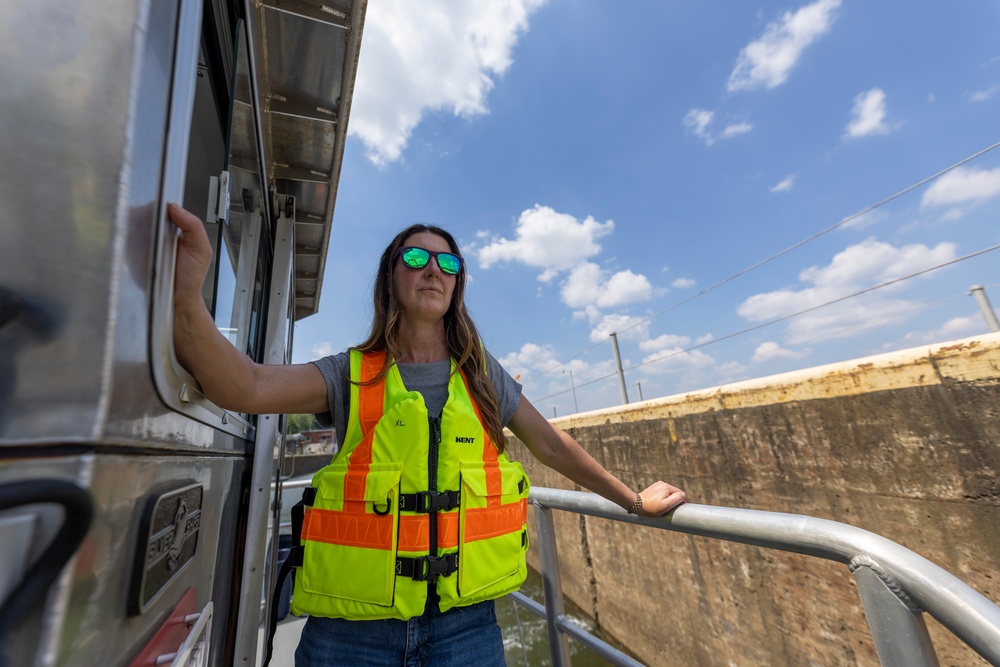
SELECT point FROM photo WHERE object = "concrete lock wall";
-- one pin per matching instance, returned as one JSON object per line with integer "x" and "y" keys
{"x": 906, "y": 445}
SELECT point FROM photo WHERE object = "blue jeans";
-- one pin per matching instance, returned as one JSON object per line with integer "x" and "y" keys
{"x": 460, "y": 637}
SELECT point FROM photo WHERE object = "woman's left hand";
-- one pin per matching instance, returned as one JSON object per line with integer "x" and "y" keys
{"x": 659, "y": 498}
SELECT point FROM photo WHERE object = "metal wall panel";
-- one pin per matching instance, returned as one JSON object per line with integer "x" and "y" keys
{"x": 66, "y": 107}
{"x": 86, "y": 620}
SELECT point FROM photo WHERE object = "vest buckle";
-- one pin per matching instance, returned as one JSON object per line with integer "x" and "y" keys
{"x": 427, "y": 568}
{"x": 426, "y": 502}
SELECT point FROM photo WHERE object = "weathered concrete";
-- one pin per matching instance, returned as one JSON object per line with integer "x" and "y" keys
{"x": 906, "y": 445}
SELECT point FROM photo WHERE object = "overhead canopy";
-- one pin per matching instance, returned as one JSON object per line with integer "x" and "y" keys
{"x": 306, "y": 56}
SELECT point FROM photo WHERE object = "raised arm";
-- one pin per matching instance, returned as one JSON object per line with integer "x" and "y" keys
{"x": 228, "y": 377}
{"x": 559, "y": 451}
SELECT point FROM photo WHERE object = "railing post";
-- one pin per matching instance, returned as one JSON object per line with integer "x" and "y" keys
{"x": 897, "y": 624}
{"x": 551, "y": 585}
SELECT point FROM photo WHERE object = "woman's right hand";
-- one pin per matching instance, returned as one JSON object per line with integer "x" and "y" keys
{"x": 660, "y": 498}
{"x": 194, "y": 254}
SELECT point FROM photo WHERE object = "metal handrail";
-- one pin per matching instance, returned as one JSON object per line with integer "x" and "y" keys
{"x": 896, "y": 585}
{"x": 288, "y": 485}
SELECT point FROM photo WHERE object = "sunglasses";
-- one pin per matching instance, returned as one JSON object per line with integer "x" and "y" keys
{"x": 417, "y": 258}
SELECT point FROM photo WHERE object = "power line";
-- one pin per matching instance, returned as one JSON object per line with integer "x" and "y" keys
{"x": 822, "y": 305}
{"x": 815, "y": 236}
{"x": 920, "y": 308}
{"x": 776, "y": 255}
{"x": 895, "y": 316}
{"x": 796, "y": 314}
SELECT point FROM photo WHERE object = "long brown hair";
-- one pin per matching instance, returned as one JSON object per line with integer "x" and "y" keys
{"x": 460, "y": 331}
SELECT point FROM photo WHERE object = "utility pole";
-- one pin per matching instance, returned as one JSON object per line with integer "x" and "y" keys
{"x": 639, "y": 385}
{"x": 989, "y": 314}
{"x": 554, "y": 415}
{"x": 576, "y": 408}
{"x": 618, "y": 365}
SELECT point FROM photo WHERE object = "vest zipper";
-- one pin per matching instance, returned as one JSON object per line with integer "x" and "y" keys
{"x": 432, "y": 471}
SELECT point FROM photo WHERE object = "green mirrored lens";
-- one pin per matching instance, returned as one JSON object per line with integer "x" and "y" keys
{"x": 449, "y": 263}
{"x": 416, "y": 258}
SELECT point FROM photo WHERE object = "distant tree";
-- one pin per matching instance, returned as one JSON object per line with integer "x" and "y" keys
{"x": 299, "y": 423}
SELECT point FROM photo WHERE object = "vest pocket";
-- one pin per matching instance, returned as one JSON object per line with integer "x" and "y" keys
{"x": 492, "y": 516}
{"x": 351, "y": 532}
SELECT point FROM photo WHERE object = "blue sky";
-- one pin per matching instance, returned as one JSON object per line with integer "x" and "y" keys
{"x": 602, "y": 168}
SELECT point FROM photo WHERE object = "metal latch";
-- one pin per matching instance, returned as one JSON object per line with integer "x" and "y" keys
{"x": 218, "y": 198}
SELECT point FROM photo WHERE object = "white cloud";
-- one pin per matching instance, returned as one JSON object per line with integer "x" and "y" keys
{"x": 587, "y": 285}
{"x": 590, "y": 313}
{"x": 963, "y": 185}
{"x": 664, "y": 342}
{"x": 868, "y": 115}
{"x": 548, "y": 240}
{"x": 953, "y": 329}
{"x": 683, "y": 283}
{"x": 700, "y": 121}
{"x": 433, "y": 55}
{"x": 985, "y": 94}
{"x": 873, "y": 261}
{"x": 628, "y": 328}
{"x": 731, "y": 371}
{"x": 855, "y": 268}
{"x": 674, "y": 360}
{"x": 785, "y": 185}
{"x": 865, "y": 220}
{"x": 557, "y": 242}
{"x": 770, "y": 351}
{"x": 767, "y": 61}
{"x": 539, "y": 367}
{"x": 531, "y": 358}
{"x": 735, "y": 130}
{"x": 321, "y": 349}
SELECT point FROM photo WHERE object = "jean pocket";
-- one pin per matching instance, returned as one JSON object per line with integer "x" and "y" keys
{"x": 350, "y": 534}
{"x": 492, "y": 516}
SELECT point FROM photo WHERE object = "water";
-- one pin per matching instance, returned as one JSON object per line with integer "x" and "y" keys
{"x": 526, "y": 637}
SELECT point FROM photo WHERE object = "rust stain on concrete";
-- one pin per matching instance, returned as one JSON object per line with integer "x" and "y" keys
{"x": 968, "y": 360}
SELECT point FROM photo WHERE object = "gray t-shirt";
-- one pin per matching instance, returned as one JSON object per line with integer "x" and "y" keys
{"x": 431, "y": 380}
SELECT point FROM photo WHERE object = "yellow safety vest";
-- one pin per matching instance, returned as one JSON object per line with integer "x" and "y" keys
{"x": 383, "y": 522}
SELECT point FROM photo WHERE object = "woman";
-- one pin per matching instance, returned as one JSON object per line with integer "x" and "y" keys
{"x": 417, "y": 526}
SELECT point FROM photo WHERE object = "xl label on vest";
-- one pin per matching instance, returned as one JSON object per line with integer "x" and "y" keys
{"x": 168, "y": 539}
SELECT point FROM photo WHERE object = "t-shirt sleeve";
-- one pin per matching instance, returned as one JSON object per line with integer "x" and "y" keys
{"x": 507, "y": 388}
{"x": 336, "y": 371}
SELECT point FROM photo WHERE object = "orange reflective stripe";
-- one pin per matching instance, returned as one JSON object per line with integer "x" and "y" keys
{"x": 372, "y": 400}
{"x": 448, "y": 530}
{"x": 491, "y": 466}
{"x": 363, "y": 529}
{"x": 350, "y": 529}
{"x": 356, "y": 476}
{"x": 485, "y": 522}
{"x": 414, "y": 532}
{"x": 493, "y": 482}
{"x": 371, "y": 407}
